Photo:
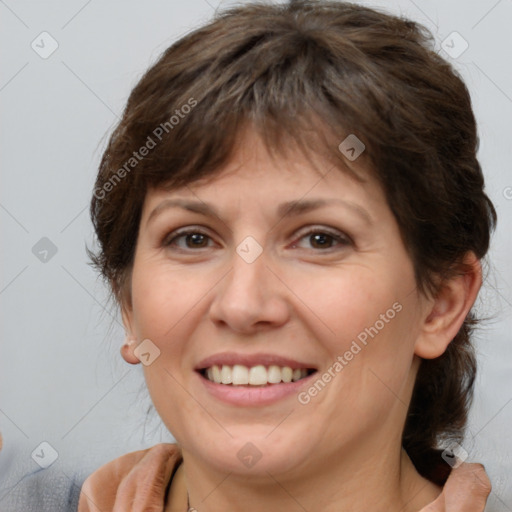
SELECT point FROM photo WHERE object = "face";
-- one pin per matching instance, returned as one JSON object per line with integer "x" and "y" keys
{"x": 275, "y": 269}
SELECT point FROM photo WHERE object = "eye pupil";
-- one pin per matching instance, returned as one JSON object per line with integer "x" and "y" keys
{"x": 320, "y": 240}
{"x": 196, "y": 240}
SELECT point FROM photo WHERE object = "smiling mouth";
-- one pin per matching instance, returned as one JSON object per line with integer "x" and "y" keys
{"x": 259, "y": 375}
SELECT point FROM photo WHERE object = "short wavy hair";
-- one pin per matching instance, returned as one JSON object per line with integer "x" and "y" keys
{"x": 312, "y": 72}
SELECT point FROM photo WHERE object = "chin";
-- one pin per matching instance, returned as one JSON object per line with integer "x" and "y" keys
{"x": 251, "y": 455}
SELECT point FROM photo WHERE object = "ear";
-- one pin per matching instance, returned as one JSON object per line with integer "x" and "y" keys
{"x": 130, "y": 344}
{"x": 447, "y": 311}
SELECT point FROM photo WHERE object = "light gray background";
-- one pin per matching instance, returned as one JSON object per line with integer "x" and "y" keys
{"x": 61, "y": 377}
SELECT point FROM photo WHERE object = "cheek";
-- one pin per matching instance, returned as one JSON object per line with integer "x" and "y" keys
{"x": 164, "y": 302}
{"x": 365, "y": 317}
{"x": 163, "y": 297}
{"x": 353, "y": 302}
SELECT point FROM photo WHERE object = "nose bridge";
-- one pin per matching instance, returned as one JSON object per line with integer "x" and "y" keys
{"x": 250, "y": 294}
{"x": 247, "y": 280}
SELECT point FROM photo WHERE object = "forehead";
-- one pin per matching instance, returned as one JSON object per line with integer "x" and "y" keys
{"x": 255, "y": 183}
{"x": 254, "y": 169}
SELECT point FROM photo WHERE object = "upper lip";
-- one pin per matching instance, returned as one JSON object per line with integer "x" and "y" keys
{"x": 249, "y": 360}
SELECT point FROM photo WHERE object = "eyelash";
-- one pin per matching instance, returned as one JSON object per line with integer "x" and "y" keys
{"x": 342, "y": 239}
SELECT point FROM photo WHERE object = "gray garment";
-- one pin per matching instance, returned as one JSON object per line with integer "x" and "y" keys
{"x": 25, "y": 487}
{"x": 42, "y": 491}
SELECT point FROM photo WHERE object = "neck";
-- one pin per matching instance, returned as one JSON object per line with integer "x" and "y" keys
{"x": 375, "y": 480}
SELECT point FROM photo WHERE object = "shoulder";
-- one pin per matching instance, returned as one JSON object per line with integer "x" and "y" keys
{"x": 143, "y": 471}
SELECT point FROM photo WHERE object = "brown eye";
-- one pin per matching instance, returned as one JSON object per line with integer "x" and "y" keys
{"x": 196, "y": 240}
{"x": 323, "y": 240}
{"x": 191, "y": 239}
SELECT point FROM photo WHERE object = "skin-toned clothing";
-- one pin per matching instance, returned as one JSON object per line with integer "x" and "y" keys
{"x": 153, "y": 480}
{"x": 141, "y": 479}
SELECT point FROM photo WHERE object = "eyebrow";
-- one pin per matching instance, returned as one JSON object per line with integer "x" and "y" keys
{"x": 298, "y": 207}
{"x": 305, "y": 206}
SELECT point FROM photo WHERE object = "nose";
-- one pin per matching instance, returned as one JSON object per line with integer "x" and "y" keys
{"x": 250, "y": 298}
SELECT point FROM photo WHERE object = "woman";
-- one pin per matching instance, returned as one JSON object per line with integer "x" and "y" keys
{"x": 291, "y": 217}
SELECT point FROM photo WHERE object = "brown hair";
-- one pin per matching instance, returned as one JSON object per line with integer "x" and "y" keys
{"x": 314, "y": 72}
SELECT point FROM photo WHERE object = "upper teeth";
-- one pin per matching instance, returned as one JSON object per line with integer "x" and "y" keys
{"x": 255, "y": 375}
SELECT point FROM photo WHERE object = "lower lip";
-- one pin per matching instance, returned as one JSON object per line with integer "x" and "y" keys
{"x": 251, "y": 395}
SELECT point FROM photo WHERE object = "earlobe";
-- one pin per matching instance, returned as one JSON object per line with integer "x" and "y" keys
{"x": 448, "y": 310}
{"x": 128, "y": 350}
